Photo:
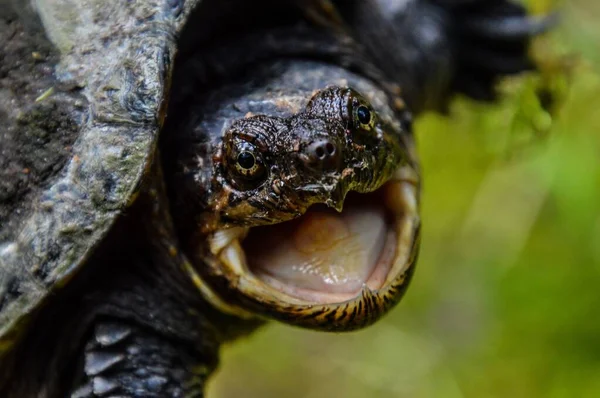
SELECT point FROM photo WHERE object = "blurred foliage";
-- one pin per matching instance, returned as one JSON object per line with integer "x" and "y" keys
{"x": 505, "y": 300}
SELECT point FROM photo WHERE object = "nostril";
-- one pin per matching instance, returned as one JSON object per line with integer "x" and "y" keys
{"x": 330, "y": 148}
{"x": 320, "y": 152}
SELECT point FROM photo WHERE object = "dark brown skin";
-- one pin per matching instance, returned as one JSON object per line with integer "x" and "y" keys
{"x": 266, "y": 117}
{"x": 271, "y": 169}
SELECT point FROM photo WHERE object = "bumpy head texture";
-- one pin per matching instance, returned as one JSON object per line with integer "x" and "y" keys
{"x": 285, "y": 199}
{"x": 271, "y": 169}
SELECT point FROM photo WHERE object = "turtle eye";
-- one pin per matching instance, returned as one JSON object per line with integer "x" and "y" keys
{"x": 246, "y": 161}
{"x": 360, "y": 115}
{"x": 364, "y": 117}
{"x": 248, "y": 166}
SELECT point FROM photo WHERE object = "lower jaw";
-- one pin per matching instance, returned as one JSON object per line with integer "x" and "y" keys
{"x": 252, "y": 293}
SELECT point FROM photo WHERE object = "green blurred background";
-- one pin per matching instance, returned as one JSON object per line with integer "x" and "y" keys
{"x": 506, "y": 298}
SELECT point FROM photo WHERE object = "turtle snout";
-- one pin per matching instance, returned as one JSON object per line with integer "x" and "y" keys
{"x": 321, "y": 154}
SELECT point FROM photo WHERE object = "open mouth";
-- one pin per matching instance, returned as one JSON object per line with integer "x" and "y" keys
{"x": 326, "y": 257}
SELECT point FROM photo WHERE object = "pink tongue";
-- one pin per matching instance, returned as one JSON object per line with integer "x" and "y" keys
{"x": 323, "y": 250}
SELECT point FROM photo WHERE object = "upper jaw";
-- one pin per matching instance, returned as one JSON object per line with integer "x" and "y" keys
{"x": 407, "y": 176}
{"x": 332, "y": 191}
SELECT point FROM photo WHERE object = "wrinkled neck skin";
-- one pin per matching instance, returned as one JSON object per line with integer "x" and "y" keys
{"x": 201, "y": 113}
{"x": 136, "y": 278}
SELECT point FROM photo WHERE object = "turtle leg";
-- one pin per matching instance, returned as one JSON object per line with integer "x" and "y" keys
{"x": 435, "y": 48}
{"x": 124, "y": 359}
{"x": 491, "y": 39}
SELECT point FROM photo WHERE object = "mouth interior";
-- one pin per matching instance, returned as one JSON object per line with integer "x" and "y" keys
{"x": 326, "y": 256}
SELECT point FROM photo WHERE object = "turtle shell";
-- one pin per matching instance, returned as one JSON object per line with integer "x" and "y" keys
{"x": 82, "y": 98}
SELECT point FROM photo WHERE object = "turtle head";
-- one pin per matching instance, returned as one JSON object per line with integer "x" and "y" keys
{"x": 312, "y": 218}
{"x": 268, "y": 170}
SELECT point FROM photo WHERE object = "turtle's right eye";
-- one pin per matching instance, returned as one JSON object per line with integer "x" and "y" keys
{"x": 246, "y": 164}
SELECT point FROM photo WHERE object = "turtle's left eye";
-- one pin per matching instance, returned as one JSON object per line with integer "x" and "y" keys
{"x": 364, "y": 117}
{"x": 361, "y": 116}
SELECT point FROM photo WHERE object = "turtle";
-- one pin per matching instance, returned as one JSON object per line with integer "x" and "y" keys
{"x": 175, "y": 173}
